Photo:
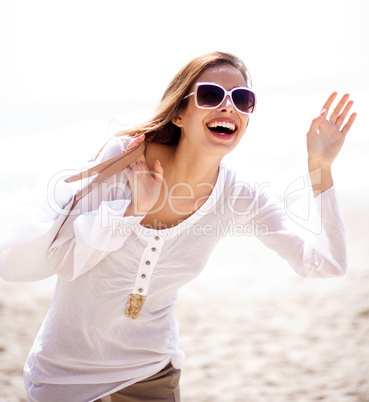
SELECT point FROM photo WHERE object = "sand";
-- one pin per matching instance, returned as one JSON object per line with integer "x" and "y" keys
{"x": 294, "y": 339}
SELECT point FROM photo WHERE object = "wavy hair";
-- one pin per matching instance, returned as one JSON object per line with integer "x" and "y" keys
{"x": 160, "y": 127}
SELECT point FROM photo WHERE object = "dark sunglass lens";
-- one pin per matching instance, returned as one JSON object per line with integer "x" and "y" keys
{"x": 209, "y": 95}
{"x": 244, "y": 100}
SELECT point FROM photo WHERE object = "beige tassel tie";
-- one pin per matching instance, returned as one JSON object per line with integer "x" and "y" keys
{"x": 134, "y": 306}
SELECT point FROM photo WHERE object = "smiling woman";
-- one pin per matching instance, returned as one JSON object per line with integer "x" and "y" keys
{"x": 142, "y": 233}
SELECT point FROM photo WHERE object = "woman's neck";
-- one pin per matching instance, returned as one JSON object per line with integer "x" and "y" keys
{"x": 181, "y": 165}
{"x": 193, "y": 166}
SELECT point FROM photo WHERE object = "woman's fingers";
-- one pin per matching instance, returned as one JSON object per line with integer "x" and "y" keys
{"x": 138, "y": 165}
{"x": 341, "y": 118}
{"x": 145, "y": 184}
{"x": 337, "y": 110}
{"x": 141, "y": 165}
{"x": 350, "y": 122}
{"x": 135, "y": 141}
{"x": 329, "y": 101}
{"x": 316, "y": 122}
{"x": 338, "y": 115}
{"x": 158, "y": 171}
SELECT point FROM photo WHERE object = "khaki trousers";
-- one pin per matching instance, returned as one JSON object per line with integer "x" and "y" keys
{"x": 161, "y": 387}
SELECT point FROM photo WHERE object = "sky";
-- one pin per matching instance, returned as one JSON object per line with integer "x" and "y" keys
{"x": 67, "y": 62}
{"x": 59, "y": 53}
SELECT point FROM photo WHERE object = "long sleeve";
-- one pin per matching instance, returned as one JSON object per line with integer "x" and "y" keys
{"x": 88, "y": 237}
{"x": 315, "y": 247}
{"x": 325, "y": 255}
{"x": 316, "y": 250}
{"x": 26, "y": 234}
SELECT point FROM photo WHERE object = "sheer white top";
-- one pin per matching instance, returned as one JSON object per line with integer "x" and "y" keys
{"x": 86, "y": 347}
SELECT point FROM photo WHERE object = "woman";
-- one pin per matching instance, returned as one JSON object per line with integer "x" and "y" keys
{"x": 110, "y": 333}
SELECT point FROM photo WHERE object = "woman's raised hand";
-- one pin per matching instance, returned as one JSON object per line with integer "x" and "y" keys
{"x": 145, "y": 184}
{"x": 326, "y": 135}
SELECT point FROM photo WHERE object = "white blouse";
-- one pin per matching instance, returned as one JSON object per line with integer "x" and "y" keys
{"x": 87, "y": 347}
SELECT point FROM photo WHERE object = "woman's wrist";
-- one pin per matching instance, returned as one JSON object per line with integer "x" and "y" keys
{"x": 320, "y": 177}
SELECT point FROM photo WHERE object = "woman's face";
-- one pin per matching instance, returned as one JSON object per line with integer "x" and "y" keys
{"x": 204, "y": 128}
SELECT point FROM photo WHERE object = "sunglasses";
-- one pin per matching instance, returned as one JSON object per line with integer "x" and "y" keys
{"x": 210, "y": 96}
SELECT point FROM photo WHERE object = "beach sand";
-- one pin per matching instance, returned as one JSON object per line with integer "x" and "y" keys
{"x": 291, "y": 340}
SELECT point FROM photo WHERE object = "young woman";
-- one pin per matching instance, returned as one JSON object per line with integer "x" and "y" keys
{"x": 110, "y": 333}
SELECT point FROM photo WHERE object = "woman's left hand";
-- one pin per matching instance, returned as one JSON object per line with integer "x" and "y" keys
{"x": 327, "y": 134}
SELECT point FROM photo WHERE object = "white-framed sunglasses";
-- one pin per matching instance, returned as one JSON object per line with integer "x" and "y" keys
{"x": 210, "y": 96}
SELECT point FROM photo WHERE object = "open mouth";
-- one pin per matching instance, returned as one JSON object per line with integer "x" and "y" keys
{"x": 222, "y": 127}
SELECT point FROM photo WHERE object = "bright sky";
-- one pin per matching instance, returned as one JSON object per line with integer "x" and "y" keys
{"x": 71, "y": 59}
{"x": 85, "y": 51}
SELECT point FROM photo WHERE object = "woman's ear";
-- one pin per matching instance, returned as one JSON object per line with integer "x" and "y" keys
{"x": 177, "y": 120}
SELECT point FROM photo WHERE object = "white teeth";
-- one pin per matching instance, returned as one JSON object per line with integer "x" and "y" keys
{"x": 226, "y": 124}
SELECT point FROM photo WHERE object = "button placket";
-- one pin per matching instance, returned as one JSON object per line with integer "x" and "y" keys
{"x": 147, "y": 265}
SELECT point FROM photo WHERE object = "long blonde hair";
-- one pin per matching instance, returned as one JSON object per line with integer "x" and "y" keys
{"x": 160, "y": 127}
